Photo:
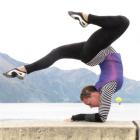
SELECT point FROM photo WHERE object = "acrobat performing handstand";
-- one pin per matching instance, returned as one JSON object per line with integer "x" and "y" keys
{"x": 95, "y": 51}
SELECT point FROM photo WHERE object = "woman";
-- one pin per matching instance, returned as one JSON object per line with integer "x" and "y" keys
{"x": 95, "y": 51}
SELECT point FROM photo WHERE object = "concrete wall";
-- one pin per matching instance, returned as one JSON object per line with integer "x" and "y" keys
{"x": 46, "y": 130}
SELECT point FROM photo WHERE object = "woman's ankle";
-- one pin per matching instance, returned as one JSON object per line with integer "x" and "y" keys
{"x": 22, "y": 68}
{"x": 85, "y": 16}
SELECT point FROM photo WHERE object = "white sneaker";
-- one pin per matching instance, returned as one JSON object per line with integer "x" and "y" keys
{"x": 15, "y": 73}
{"x": 78, "y": 16}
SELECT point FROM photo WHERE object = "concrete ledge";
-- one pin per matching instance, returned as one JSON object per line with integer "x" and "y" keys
{"x": 47, "y": 130}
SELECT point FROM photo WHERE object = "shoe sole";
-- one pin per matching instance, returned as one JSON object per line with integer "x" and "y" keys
{"x": 19, "y": 77}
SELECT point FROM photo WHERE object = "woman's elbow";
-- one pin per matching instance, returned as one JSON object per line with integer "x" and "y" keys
{"x": 101, "y": 118}
{"x": 104, "y": 120}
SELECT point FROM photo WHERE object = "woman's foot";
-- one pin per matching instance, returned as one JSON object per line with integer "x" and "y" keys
{"x": 16, "y": 72}
{"x": 82, "y": 18}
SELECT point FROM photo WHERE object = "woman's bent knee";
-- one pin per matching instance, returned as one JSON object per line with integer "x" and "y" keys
{"x": 124, "y": 22}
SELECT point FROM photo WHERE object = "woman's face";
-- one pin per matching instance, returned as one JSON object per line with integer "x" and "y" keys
{"x": 93, "y": 100}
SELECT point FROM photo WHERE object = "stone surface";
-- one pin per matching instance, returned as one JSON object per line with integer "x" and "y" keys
{"x": 44, "y": 130}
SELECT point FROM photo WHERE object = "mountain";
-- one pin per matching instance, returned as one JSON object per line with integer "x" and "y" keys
{"x": 54, "y": 85}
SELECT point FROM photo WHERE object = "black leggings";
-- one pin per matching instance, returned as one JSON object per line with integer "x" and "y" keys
{"x": 112, "y": 27}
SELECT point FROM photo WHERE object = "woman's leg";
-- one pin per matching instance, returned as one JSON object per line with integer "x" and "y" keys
{"x": 72, "y": 51}
{"x": 112, "y": 27}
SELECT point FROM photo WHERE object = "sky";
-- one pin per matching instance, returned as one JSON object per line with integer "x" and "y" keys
{"x": 30, "y": 29}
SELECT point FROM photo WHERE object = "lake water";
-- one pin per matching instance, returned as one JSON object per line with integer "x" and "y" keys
{"x": 61, "y": 111}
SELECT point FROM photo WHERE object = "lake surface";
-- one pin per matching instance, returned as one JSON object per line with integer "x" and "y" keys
{"x": 61, "y": 111}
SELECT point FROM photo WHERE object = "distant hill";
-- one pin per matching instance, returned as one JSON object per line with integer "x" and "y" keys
{"x": 54, "y": 85}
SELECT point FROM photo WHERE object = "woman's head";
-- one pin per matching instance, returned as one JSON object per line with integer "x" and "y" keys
{"x": 90, "y": 96}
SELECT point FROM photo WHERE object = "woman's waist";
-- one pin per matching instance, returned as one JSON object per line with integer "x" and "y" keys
{"x": 101, "y": 83}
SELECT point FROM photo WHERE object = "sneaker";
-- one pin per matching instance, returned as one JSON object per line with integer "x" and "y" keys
{"x": 78, "y": 16}
{"x": 15, "y": 73}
